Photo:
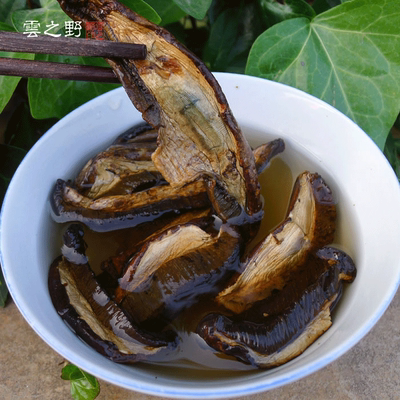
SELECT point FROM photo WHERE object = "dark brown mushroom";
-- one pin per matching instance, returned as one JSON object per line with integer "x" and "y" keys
{"x": 282, "y": 326}
{"x": 309, "y": 225}
{"x": 116, "y": 265}
{"x": 264, "y": 153}
{"x": 91, "y": 314}
{"x": 140, "y": 133}
{"x": 123, "y": 211}
{"x": 176, "y": 268}
{"x": 111, "y": 201}
{"x": 123, "y": 168}
{"x": 197, "y": 133}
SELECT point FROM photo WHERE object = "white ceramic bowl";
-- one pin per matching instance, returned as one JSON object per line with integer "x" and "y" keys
{"x": 317, "y": 137}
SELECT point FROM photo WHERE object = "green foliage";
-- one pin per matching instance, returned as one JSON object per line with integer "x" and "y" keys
{"x": 239, "y": 26}
{"x": 55, "y": 98}
{"x": 9, "y": 83}
{"x": 50, "y": 11}
{"x": 348, "y": 56}
{"x": 274, "y": 12}
{"x": 7, "y": 7}
{"x": 83, "y": 385}
{"x": 144, "y": 9}
{"x": 168, "y": 11}
{"x": 195, "y": 8}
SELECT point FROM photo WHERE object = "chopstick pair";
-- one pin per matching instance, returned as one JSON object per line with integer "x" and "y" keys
{"x": 18, "y": 42}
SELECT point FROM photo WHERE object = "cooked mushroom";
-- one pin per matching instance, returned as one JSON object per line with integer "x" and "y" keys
{"x": 110, "y": 175}
{"x": 198, "y": 135}
{"x": 116, "y": 265}
{"x": 175, "y": 269}
{"x": 123, "y": 168}
{"x": 264, "y": 153}
{"x": 282, "y": 326}
{"x": 89, "y": 311}
{"x": 140, "y": 133}
{"x": 122, "y": 211}
{"x": 309, "y": 225}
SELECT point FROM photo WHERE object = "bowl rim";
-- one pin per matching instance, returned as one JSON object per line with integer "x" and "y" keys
{"x": 246, "y": 388}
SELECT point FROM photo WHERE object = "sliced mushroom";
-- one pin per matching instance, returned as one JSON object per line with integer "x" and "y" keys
{"x": 112, "y": 175}
{"x": 123, "y": 211}
{"x": 282, "y": 326}
{"x": 175, "y": 269}
{"x": 119, "y": 209}
{"x": 198, "y": 135}
{"x": 123, "y": 168}
{"x": 264, "y": 153}
{"x": 91, "y": 314}
{"x": 140, "y": 133}
{"x": 115, "y": 266}
{"x": 309, "y": 225}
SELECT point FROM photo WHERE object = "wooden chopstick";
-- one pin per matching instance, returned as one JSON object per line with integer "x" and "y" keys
{"x": 52, "y": 70}
{"x": 18, "y": 42}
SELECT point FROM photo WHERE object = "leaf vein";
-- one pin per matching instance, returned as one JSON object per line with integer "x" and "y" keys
{"x": 355, "y": 32}
{"x": 298, "y": 55}
{"x": 350, "y": 111}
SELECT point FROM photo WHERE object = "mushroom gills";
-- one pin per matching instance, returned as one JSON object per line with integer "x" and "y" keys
{"x": 174, "y": 270}
{"x": 280, "y": 327}
{"x": 309, "y": 225}
{"x": 88, "y": 310}
{"x": 116, "y": 265}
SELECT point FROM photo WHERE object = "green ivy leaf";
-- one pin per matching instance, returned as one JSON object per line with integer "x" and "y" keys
{"x": 142, "y": 8}
{"x": 55, "y": 98}
{"x": 6, "y": 27}
{"x": 83, "y": 385}
{"x": 196, "y": 8}
{"x": 50, "y": 11}
{"x": 231, "y": 37}
{"x": 7, "y": 7}
{"x": 348, "y": 56}
{"x": 274, "y": 11}
{"x": 168, "y": 11}
{"x": 9, "y": 83}
{"x": 3, "y": 290}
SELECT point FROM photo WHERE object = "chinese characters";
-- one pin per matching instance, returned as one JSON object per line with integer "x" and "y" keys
{"x": 72, "y": 28}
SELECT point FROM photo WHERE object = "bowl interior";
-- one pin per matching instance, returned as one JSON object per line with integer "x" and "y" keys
{"x": 318, "y": 138}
